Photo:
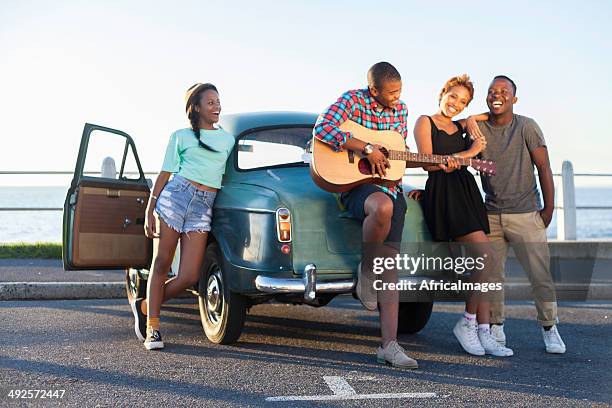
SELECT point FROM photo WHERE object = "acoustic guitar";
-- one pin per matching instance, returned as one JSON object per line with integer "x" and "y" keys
{"x": 341, "y": 171}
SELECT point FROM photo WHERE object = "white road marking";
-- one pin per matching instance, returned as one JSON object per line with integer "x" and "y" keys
{"x": 354, "y": 397}
{"x": 343, "y": 391}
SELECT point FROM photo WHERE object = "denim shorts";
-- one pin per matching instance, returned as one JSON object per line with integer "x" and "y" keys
{"x": 183, "y": 207}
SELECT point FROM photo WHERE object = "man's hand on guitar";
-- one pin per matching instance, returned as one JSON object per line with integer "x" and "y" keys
{"x": 378, "y": 161}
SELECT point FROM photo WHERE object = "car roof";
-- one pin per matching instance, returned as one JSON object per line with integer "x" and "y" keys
{"x": 238, "y": 123}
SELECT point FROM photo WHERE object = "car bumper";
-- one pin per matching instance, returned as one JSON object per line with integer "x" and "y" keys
{"x": 309, "y": 286}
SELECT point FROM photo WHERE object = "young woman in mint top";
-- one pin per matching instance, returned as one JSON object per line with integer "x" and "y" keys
{"x": 183, "y": 198}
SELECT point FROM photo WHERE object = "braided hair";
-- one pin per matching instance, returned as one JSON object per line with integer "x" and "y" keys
{"x": 192, "y": 99}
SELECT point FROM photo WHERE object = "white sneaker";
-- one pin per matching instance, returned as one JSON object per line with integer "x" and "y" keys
{"x": 466, "y": 331}
{"x": 552, "y": 341}
{"x": 497, "y": 331}
{"x": 491, "y": 346}
{"x": 365, "y": 291}
{"x": 395, "y": 355}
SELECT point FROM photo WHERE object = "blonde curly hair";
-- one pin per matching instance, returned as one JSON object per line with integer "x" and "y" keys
{"x": 460, "y": 80}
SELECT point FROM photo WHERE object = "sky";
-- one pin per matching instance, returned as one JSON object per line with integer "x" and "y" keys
{"x": 127, "y": 64}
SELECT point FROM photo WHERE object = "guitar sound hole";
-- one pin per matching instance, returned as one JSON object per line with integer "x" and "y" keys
{"x": 364, "y": 167}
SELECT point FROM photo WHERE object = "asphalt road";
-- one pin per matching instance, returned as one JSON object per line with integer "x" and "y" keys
{"x": 88, "y": 349}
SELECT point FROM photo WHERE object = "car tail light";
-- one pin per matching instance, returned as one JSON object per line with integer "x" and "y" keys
{"x": 283, "y": 225}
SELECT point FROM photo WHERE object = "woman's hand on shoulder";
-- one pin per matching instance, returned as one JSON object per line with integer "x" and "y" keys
{"x": 471, "y": 126}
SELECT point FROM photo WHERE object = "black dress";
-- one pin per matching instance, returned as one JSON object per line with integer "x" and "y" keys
{"x": 452, "y": 203}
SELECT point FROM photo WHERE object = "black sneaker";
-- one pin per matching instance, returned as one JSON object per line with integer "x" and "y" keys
{"x": 140, "y": 319}
{"x": 154, "y": 340}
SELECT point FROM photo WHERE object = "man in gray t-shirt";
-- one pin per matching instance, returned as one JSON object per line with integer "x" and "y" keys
{"x": 515, "y": 211}
{"x": 513, "y": 189}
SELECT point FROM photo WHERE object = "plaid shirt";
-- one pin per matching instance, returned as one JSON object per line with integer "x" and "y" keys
{"x": 360, "y": 107}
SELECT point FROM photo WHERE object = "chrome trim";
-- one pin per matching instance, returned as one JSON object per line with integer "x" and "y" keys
{"x": 279, "y": 285}
{"x": 310, "y": 282}
{"x": 309, "y": 286}
{"x": 296, "y": 285}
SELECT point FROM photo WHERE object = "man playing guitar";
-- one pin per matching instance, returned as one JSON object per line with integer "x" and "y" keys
{"x": 381, "y": 208}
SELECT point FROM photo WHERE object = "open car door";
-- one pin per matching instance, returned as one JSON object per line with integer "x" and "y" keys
{"x": 104, "y": 211}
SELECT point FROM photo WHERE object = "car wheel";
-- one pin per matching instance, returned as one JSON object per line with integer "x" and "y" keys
{"x": 413, "y": 316}
{"x": 135, "y": 285}
{"x": 222, "y": 312}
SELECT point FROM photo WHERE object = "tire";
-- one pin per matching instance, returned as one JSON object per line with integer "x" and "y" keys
{"x": 135, "y": 285}
{"x": 222, "y": 312}
{"x": 413, "y": 316}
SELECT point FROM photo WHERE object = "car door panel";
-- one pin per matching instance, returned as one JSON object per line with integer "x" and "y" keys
{"x": 104, "y": 216}
{"x": 108, "y": 227}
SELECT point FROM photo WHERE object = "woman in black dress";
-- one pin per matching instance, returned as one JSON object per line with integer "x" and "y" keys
{"x": 453, "y": 206}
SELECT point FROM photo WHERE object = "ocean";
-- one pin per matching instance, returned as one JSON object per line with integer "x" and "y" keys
{"x": 46, "y": 226}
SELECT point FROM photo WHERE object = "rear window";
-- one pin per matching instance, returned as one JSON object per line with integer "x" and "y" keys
{"x": 275, "y": 147}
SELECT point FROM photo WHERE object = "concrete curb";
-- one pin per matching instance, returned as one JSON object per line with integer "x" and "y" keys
{"x": 61, "y": 290}
{"x": 116, "y": 290}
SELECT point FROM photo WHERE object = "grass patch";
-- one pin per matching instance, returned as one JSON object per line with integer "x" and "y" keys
{"x": 39, "y": 250}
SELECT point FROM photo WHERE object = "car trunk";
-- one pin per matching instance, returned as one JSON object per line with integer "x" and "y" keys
{"x": 323, "y": 233}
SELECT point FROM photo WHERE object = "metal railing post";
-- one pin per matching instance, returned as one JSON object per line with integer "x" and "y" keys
{"x": 566, "y": 217}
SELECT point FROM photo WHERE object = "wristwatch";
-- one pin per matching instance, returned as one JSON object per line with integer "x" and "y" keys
{"x": 368, "y": 149}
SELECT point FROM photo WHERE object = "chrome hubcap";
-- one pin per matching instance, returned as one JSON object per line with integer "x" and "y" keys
{"x": 214, "y": 296}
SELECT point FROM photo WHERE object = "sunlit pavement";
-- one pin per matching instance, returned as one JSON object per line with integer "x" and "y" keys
{"x": 294, "y": 356}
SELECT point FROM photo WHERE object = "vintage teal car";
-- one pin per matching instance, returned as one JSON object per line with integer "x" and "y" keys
{"x": 275, "y": 235}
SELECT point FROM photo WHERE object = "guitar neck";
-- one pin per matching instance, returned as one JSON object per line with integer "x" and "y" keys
{"x": 425, "y": 158}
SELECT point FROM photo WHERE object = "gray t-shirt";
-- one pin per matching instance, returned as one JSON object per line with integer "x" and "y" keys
{"x": 513, "y": 189}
